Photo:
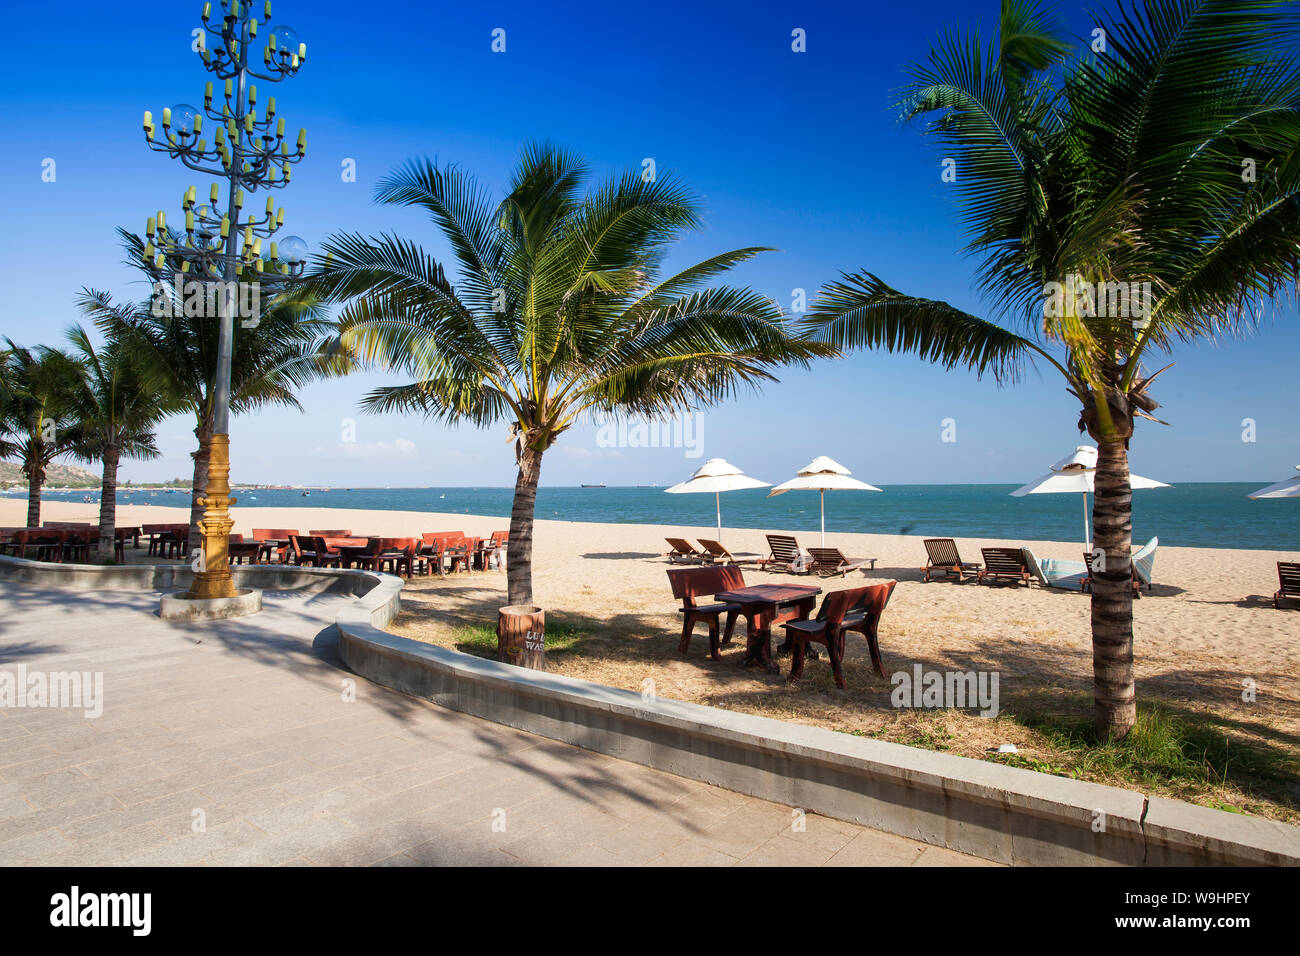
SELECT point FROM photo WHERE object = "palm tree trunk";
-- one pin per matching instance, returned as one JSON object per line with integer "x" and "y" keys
{"x": 201, "y": 458}
{"x": 519, "y": 561}
{"x": 1115, "y": 694}
{"x": 35, "y": 478}
{"x": 108, "y": 502}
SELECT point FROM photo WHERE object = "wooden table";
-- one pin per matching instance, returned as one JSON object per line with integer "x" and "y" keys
{"x": 764, "y": 605}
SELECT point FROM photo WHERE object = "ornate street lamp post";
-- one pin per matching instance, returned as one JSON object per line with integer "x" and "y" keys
{"x": 219, "y": 257}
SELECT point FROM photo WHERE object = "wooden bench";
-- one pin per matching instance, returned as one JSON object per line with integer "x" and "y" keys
{"x": 691, "y": 583}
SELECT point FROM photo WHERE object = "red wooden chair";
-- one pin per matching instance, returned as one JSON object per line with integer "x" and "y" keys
{"x": 853, "y": 609}
{"x": 690, "y": 583}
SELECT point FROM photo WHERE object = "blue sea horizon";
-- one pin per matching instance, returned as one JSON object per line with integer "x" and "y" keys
{"x": 1192, "y": 514}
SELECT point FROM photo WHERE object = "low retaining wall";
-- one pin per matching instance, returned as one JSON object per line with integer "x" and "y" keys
{"x": 973, "y": 806}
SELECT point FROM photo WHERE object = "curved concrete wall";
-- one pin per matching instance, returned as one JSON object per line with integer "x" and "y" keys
{"x": 974, "y": 806}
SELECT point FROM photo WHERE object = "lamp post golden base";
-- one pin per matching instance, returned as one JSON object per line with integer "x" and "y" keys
{"x": 212, "y": 578}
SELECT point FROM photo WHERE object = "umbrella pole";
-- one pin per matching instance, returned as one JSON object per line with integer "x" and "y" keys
{"x": 717, "y": 499}
{"x": 823, "y": 492}
{"x": 1087, "y": 535}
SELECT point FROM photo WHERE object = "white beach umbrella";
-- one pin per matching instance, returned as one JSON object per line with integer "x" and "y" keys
{"x": 714, "y": 477}
{"x": 822, "y": 474}
{"x": 1074, "y": 474}
{"x": 1290, "y": 488}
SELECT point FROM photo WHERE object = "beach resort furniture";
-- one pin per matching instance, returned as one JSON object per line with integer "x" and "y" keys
{"x": 1288, "y": 576}
{"x": 1035, "y": 567}
{"x": 942, "y": 556}
{"x": 334, "y": 533}
{"x": 38, "y": 544}
{"x": 120, "y": 534}
{"x": 1144, "y": 560}
{"x": 302, "y": 549}
{"x": 395, "y": 554}
{"x": 716, "y": 552}
{"x": 764, "y": 605}
{"x": 785, "y": 555}
{"x": 691, "y": 583}
{"x": 683, "y": 551}
{"x": 830, "y": 561}
{"x": 275, "y": 541}
{"x": 241, "y": 550}
{"x": 1004, "y": 564}
{"x": 497, "y": 548}
{"x": 854, "y": 609}
{"x": 1086, "y": 583}
{"x": 451, "y": 546}
{"x": 155, "y": 533}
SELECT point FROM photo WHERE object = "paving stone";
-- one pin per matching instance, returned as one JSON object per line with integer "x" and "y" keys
{"x": 245, "y": 720}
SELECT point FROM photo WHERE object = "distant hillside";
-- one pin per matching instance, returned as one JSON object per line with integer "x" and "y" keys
{"x": 56, "y": 476}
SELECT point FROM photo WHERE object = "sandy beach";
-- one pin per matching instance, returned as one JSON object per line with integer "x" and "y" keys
{"x": 1207, "y": 627}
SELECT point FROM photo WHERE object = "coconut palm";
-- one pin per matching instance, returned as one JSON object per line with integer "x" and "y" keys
{"x": 37, "y": 417}
{"x": 118, "y": 403}
{"x": 1167, "y": 153}
{"x": 270, "y": 363}
{"x": 559, "y": 311}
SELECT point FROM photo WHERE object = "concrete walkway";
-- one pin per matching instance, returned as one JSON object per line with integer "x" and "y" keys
{"x": 245, "y": 742}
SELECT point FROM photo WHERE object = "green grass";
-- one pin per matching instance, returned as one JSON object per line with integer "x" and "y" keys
{"x": 481, "y": 639}
{"x": 1163, "y": 748}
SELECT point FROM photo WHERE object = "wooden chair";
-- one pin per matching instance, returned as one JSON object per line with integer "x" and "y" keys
{"x": 302, "y": 551}
{"x": 1086, "y": 583}
{"x": 830, "y": 561}
{"x": 279, "y": 551}
{"x": 942, "y": 556}
{"x": 1005, "y": 564}
{"x": 500, "y": 544}
{"x": 853, "y": 609}
{"x": 691, "y": 583}
{"x": 331, "y": 533}
{"x": 120, "y": 537}
{"x": 396, "y": 553}
{"x": 683, "y": 551}
{"x": 1288, "y": 576}
{"x": 240, "y": 550}
{"x": 785, "y": 555}
{"x": 155, "y": 533}
{"x": 44, "y": 544}
{"x": 716, "y": 552}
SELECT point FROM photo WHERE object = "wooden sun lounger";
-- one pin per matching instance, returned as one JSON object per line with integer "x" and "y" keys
{"x": 829, "y": 561}
{"x": 943, "y": 556}
{"x": 684, "y": 551}
{"x": 1288, "y": 575}
{"x": 785, "y": 555}
{"x": 1086, "y": 583}
{"x": 1005, "y": 564}
{"x": 716, "y": 552}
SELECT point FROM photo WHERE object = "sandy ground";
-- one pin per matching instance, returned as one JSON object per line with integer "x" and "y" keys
{"x": 1207, "y": 627}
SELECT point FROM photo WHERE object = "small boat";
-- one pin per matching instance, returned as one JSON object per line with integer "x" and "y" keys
{"x": 593, "y": 486}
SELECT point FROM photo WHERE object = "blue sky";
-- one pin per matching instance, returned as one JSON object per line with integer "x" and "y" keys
{"x": 800, "y": 151}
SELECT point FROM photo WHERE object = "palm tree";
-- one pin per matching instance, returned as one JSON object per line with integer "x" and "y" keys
{"x": 559, "y": 311}
{"x": 269, "y": 362}
{"x": 1172, "y": 159}
{"x": 37, "y": 422}
{"x": 119, "y": 402}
